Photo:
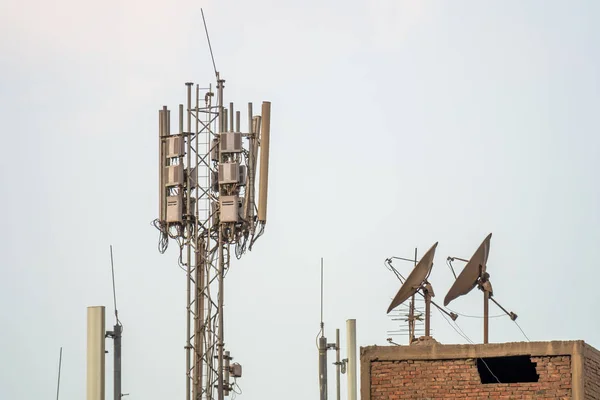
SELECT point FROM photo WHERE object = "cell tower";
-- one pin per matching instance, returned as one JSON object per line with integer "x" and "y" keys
{"x": 207, "y": 204}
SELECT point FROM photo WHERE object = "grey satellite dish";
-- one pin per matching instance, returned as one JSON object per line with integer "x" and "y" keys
{"x": 475, "y": 274}
{"x": 469, "y": 276}
{"x": 415, "y": 280}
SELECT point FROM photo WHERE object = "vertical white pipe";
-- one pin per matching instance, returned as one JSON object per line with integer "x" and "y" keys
{"x": 95, "y": 353}
{"x": 351, "y": 351}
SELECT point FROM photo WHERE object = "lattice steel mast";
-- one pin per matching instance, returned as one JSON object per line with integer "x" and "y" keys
{"x": 207, "y": 204}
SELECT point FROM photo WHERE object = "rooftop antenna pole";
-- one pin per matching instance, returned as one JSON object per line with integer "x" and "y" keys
{"x": 486, "y": 305}
{"x": 59, "y": 367}
{"x": 322, "y": 349}
{"x": 427, "y": 312}
{"x": 428, "y": 294}
{"x": 411, "y": 313}
{"x": 116, "y": 335}
{"x": 338, "y": 364}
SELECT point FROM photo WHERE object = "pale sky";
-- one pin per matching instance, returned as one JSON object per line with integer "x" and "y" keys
{"x": 395, "y": 124}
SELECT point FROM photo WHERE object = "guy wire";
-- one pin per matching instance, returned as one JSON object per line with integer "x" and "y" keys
{"x": 464, "y": 335}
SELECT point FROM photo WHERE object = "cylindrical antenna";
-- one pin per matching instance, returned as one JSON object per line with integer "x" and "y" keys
{"x": 250, "y": 115}
{"x": 322, "y": 322}
{"x": 59, "y": 367}
{"x": 256, "y": 126}
{"x": 222, "y": 117}
{"x": 249, "y": 198}
{"x": 264, "y": 161}
{"x": 181, "y": 118}
{"x": 351, "y": 351}
{"x": 225, "y": 113}
{"x": 231, "y": 116}
{"x": 161, "y": 164}
{"x": 168, "y": 131}
{"x": 237, "y": 121}
{"x": 95, "y": 353}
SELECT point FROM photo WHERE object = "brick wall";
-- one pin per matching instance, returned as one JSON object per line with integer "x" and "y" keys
{"x": 459, "y": 379}
{"x": 591, "y": 373}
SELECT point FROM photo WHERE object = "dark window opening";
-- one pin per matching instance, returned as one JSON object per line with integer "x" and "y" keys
{"x": 512, "y": 369}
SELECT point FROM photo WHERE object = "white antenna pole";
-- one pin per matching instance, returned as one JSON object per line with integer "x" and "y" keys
{"x": 95, "y": 353}
{"x": 351, "y": 350}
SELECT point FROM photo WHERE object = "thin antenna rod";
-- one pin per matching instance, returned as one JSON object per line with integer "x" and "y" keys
{"x": 112, "y": 267}
{"x": 322, "y": 323}
{"x": 59, "y": 367}
{"x": 209, "y": 45}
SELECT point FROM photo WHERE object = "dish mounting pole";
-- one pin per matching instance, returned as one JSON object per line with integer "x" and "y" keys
{"x": 486, "y": 303}
{"x": 411, "y": 312}
{"x": 427, "y": 312}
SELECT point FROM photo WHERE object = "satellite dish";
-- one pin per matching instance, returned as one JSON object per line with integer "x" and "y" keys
{"x": 470, "y": 275}
{"x": 475, "y": 274}
{"x": 415, "y": 280}
{"x": 417, "y": 283}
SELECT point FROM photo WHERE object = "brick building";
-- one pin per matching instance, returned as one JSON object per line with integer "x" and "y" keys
{"x": 529, "y": 370}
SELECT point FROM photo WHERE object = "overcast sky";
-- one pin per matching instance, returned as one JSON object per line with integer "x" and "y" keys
{"x": 395, "y": 124}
